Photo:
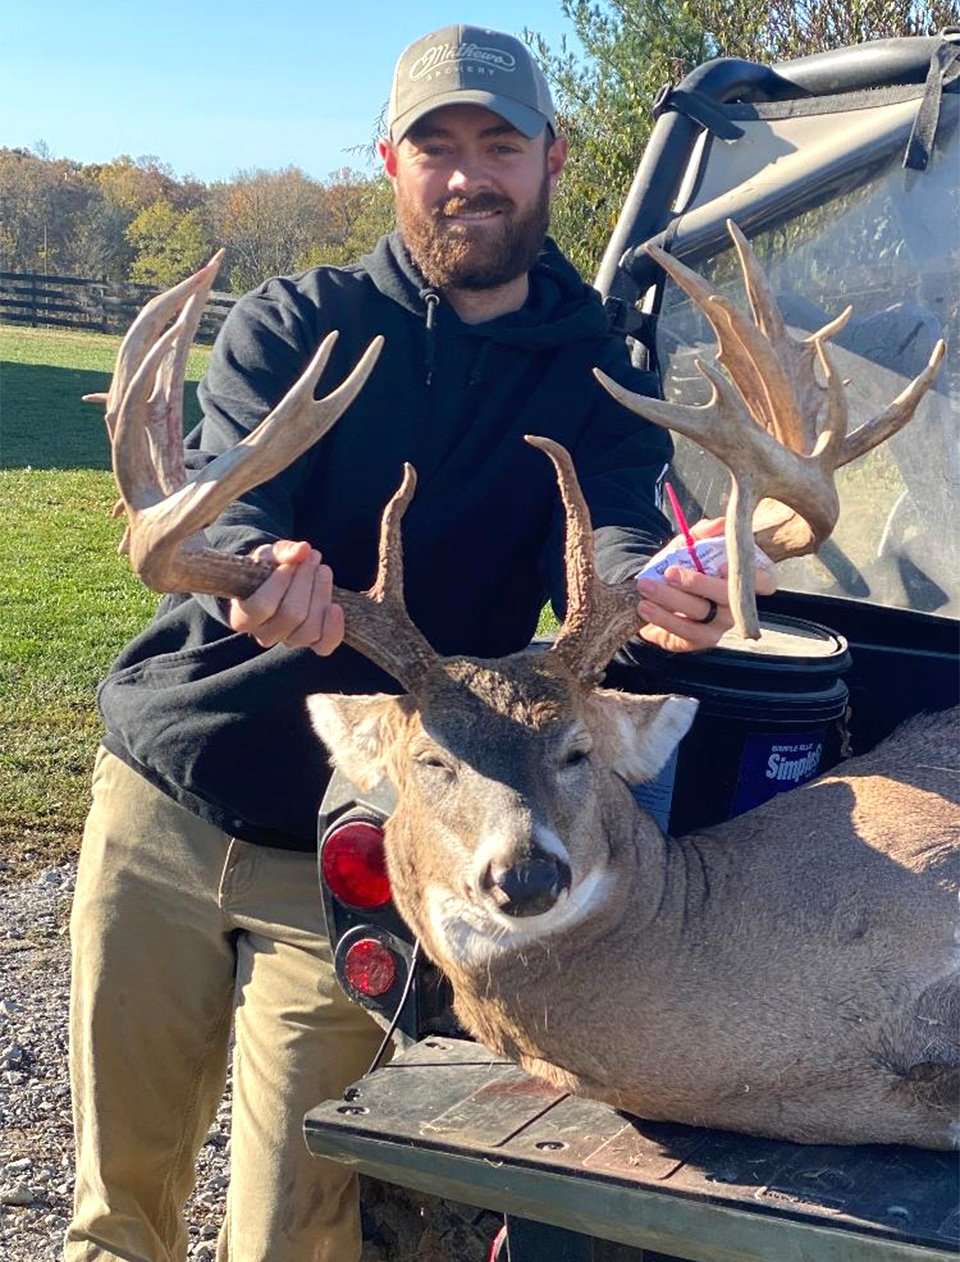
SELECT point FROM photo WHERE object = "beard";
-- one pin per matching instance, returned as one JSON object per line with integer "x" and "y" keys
{"x": 465, "y": 256}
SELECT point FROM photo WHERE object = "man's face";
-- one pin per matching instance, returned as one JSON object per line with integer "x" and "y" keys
{"x": 472, "y": 195}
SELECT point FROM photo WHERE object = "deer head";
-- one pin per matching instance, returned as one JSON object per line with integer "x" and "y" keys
{"x": 511, "y": 779}
{"x": 508, "y": 771}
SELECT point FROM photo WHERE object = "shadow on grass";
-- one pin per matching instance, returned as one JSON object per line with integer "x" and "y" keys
{"x": 44, "y": 424}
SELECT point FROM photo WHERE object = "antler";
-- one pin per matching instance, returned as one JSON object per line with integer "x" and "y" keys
{"x": 166, "y": 514}
{"x": 600, "y": 616}
{"x": 781, "y": 433}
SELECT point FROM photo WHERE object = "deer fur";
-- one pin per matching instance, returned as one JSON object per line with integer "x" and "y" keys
{"x": 794, "y": 972}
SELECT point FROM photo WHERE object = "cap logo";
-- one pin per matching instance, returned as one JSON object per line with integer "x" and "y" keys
{"x": 439, "y": 55}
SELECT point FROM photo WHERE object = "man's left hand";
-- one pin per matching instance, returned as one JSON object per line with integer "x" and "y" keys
{"x": 673, "y": 608}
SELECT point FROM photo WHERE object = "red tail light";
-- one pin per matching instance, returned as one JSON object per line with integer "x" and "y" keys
{"x": 354, "y": 865}
{"x": 370, "y": 967}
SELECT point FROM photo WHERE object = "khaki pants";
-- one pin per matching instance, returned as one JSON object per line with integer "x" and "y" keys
{"x": 176, "y": 929}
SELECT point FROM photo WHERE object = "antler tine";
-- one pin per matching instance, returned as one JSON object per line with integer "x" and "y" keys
{"x": 137, "y": 440}
{"x": 164, "y": 420}
{"x": 165, "y": 406}
{"x": 763, "y": 305}
{"x": 160, "y": 527}
{"x": 694, "y": 422}
{"x": 376, "y": 621}
{"x": 294, "y": 425}
{"x": 797, "y": 418}
{"x": 873, "y": 432}
{"x": 600, "y": 616}
{"x": 146, "y": 328}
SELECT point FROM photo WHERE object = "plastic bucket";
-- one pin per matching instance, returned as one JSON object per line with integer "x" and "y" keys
{"x": 769, "y": 718}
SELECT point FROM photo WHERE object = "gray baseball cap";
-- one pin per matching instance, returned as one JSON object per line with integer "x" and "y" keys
{"x": 469, "y": 65}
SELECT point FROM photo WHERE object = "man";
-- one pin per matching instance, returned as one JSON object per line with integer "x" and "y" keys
{"x": 196, "y": 899}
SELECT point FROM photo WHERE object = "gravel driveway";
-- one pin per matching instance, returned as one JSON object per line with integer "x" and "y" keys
{"x": 36, "y": 1133}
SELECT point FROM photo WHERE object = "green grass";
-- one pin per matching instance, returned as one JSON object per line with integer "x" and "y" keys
{"x": 70, "y": 602}
{"x": 43, "y": 374}
{"x": 548, "y": 624}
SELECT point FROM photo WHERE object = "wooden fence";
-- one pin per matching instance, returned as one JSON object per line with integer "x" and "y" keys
{"x": 98, "y": 306}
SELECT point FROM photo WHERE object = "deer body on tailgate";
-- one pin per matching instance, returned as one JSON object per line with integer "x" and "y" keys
{"x": 792, "y": 973}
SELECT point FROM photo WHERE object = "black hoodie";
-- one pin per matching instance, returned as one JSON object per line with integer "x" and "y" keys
{"x": 219, "y": 723}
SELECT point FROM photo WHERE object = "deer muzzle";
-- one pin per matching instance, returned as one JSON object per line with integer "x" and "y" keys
{"x": 529, "y": 887}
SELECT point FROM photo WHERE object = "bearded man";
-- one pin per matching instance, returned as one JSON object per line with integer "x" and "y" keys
{"x": 197, "y": 905}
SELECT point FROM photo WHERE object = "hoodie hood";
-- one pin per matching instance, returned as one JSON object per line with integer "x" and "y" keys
{"x": 559, "y": 309}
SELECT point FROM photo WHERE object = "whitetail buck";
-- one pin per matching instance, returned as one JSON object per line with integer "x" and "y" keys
{"x": 794, "y": 972}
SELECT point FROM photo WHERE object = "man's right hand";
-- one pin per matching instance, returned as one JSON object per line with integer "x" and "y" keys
{"x": 294, "y": 606}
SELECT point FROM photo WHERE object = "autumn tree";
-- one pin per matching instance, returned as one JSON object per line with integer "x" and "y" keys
{"x": 771, "y": 31}
{"x": 41, "y": 201}
{"x": 129, "y": 187}
{"x": 170, "y": 244}
{"x": 133, "y": 184}
{"x": 133, "y": 219}
{"x": 375, "y": 216}
{"x": 21, "y": 209}
{"x": 267, "y": 221}
{"x": 343, "y": 204}
{"x": 603, "y": 97}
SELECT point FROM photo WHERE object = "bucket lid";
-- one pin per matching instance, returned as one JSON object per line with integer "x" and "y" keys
{"x": 784, "y": 637}
{"x": 789, "y": 649}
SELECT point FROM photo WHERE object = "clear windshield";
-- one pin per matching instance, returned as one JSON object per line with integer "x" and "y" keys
{"x": 892, "y": 249}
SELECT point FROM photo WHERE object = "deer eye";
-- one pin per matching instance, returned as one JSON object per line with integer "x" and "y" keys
{"x": 575, "y": 757}
{"x": 434, "y": 763}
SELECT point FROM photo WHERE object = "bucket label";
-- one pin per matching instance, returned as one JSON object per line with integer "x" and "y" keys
{"x": 772, "y": 763}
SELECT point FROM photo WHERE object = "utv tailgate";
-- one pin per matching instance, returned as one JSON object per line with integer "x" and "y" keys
{"x": 450, "y": 1118}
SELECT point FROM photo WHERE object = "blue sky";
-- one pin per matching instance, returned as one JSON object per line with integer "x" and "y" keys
{"x": 212, "y": 89}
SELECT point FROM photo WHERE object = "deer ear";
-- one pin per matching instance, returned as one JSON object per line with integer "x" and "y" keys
{"x": 640, "y": 733}
{"x": 357, "y": 731}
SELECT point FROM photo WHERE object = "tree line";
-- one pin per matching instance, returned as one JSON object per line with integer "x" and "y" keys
{"x": 134, "y": 219}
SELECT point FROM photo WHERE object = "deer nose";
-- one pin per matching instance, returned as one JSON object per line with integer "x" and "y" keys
{"x": 528, "y": 888}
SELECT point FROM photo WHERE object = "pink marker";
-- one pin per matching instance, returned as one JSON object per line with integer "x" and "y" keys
{"x": 684, "y": 528}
